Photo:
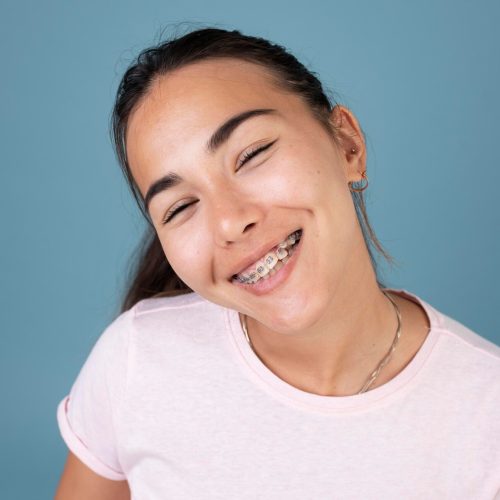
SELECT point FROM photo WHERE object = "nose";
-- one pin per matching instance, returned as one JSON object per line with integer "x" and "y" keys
{"x": 233, "y": 216}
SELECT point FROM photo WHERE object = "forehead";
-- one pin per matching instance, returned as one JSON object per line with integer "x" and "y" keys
{"x": 183, "y": 108}
{"x": 203, "y": 89}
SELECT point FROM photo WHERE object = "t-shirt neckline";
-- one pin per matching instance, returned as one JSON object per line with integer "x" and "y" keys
{"x": 270, "y": 382}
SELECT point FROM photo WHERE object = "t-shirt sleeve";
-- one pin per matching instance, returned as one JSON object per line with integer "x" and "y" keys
{"x": 87, "y": 416}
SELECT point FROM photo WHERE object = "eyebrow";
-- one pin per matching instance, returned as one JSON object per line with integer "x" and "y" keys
{"x": 217, "y": 139}
{"x": 221, "y": 135}
{"x": 166, "y": 182}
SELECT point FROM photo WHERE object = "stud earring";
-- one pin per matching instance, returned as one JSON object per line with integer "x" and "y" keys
{"x": 353, "y": 150}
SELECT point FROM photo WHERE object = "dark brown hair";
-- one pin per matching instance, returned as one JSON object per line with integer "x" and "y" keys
{"x": 151, "y": 274}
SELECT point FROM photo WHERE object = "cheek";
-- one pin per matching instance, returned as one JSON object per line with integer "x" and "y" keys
{"x": 307, "y": 179}
{"x": 187, "y": 259}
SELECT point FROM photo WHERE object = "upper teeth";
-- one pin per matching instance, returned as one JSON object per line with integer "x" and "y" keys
{"x": 265, "y": 264}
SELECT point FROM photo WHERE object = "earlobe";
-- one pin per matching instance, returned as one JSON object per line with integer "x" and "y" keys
{"x": 356, "y": 166}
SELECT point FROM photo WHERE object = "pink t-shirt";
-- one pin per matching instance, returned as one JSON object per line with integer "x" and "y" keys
{"x": 173, "y": 399}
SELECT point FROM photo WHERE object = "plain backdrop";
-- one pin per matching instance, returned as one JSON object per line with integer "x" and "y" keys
{"x": 422, "y": 77}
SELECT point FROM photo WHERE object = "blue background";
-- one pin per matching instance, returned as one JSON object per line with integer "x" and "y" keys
{"x": 422, "y": 78}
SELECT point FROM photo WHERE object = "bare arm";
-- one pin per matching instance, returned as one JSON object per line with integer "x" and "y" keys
{"x": 78, "y": 482}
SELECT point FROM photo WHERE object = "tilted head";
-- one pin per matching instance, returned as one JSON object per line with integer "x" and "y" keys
{"x": 230, "y": 144}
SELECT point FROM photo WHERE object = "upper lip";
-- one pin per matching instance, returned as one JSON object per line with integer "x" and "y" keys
{"x": 257, "y": 254}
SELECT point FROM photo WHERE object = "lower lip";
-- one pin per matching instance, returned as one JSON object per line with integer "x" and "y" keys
{"x": 264, "y": 286}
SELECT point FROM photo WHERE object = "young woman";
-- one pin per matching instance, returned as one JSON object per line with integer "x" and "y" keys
{"x": 258, "y": 354}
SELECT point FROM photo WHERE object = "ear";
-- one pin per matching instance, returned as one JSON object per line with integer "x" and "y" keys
{"x": 350, "y": 142}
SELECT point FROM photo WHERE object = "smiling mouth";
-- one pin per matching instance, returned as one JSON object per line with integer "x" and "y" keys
{"x": 271, "y": 262}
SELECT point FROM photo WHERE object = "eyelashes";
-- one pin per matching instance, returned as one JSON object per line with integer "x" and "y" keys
{"x": 247, "y": 156}
{"x": 171, "y": 213}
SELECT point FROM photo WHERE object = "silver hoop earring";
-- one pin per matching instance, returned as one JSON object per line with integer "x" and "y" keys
{"x": 357, "y": 189}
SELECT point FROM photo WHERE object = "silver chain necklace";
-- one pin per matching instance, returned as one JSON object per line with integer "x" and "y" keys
{"x": 381, "y": 365}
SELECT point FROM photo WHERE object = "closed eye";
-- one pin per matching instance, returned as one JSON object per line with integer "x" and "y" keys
{"x": 172, "y": 213}
{"x": 248, "y": 155}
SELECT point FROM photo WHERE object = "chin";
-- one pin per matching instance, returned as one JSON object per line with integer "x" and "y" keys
{"x": 294, "y": 315}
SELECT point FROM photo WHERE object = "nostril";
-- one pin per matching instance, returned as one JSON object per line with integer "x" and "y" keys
{"x": 248, "y": 226}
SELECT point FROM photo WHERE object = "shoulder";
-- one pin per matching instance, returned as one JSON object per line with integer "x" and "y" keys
{"x": 147, "y": 318}
{"x": 460, "y": 339}
{"x": 466, "y": 337}
{"x": 182, "y": 314}
{"x": 473, "y": 358}
{"x": 155, "y": 305}
{"x": 468, "y": 354}
{"x": 460, "y": 353}
{"x": 156, "y": 323}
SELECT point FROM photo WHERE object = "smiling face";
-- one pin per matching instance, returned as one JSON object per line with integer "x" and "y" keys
{"x": 239, "y": 202}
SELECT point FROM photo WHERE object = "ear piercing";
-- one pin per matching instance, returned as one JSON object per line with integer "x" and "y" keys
{"x": 357, "y": 189}
{"x": 363, "y": 177}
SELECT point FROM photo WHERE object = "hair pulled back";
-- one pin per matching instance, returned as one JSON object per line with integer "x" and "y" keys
{"x": 151, "y": 274}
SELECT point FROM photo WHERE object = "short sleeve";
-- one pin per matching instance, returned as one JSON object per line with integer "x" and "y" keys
{"x": 87, "y": 416}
